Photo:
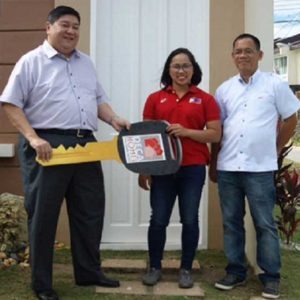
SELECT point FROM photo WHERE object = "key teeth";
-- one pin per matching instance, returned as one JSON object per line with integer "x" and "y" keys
{"x": 92, "y": 151}
{"x": 63, "y": 149}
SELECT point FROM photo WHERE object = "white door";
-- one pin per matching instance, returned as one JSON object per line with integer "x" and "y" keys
{"x": 130, "y": 41}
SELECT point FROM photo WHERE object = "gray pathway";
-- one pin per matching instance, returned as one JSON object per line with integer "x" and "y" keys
{"x": 135, "y": 287}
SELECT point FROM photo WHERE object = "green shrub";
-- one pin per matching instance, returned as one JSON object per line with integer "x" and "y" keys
{"x": 13, "y": 226}
{"x": 288, "y": 197}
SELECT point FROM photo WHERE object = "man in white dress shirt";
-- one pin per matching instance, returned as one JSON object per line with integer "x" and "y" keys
{"x": 259, "y": 117}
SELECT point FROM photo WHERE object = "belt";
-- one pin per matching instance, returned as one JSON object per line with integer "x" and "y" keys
{"x": 74, "y": 132}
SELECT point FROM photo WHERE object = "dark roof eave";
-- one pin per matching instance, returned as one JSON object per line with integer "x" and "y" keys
{"x": 290, "y": 40}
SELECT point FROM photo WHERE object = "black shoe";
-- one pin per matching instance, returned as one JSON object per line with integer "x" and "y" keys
{"x": 271, "y": 290}
{"x": 229, "y": 282}
{"x": 47, "y": 295}
{"x": 102, "y": 281}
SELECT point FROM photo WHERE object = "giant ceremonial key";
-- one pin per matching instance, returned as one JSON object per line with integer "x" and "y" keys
{"x": 145, "y": 148}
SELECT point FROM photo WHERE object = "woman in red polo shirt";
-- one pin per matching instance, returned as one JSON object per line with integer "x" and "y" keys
{"x": 194, "y": 117}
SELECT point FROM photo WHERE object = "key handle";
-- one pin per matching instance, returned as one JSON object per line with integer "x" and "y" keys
{"x": 145, "y": 148}
{"x": 148, "y": 149}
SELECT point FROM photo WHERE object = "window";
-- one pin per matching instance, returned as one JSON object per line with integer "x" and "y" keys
{"x": 281, "y": 67}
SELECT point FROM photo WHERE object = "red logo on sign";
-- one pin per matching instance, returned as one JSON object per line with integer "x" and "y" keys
{"x": 155, "y": 145}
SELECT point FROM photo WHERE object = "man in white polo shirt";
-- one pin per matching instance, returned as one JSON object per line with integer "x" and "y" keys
{"x": 258, "y": 117}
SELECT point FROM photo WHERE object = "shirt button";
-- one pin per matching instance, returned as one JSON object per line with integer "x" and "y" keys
{"x": 177, "y": 100}
{"x": 82, "y": 109}
{"x": 84, "y": 123}
{"x": 78, "y": 97}
{"x": 241, "y": 135}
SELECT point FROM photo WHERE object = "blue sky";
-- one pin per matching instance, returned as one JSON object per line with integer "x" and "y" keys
{"x": 286, "y": 18}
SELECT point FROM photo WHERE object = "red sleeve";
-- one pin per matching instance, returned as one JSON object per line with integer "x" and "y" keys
{"x": 212, "y": 110}
{"x": 149, "y": 108}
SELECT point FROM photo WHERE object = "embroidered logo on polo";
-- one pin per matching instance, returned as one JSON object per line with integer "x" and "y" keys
{"x": 195, "y": 100}
{"x": 163, "y": 100}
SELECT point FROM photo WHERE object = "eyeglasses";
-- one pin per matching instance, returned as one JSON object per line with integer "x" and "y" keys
{"x": 184, "y": 67}
{"x": 247, "y": 52}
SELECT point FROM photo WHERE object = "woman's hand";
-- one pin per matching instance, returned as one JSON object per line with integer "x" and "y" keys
{"x": 177, "y": 130}
{"x": 145, "y": 182}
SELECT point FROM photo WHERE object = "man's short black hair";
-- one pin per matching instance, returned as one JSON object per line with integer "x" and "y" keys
{"x": 248, "y": 36}
{"x": 62, "y": 10}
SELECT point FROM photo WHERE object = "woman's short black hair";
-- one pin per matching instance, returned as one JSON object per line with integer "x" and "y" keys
{"x": 166, "y": 79}
{"x": 62, "y": 10}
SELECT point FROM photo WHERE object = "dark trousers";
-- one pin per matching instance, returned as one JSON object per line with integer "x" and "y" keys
{"x": 187, "y": 184}
{"x": 45, "y": 188}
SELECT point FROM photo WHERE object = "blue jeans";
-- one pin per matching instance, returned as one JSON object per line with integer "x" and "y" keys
{"x": 187, "y": 184}
{"x": 259, "y": 188}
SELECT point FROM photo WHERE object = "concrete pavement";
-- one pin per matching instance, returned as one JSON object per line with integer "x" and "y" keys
{"x": 167, "y": 286}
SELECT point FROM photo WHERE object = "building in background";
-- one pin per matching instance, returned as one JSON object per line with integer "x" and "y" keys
{"x": 287, "y": 41}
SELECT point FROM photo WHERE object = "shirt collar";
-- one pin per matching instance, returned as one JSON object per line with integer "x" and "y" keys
{"x": 192, "y": 89}
{"x": 51, "y": 52}
{"x": 252, "y": 79}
